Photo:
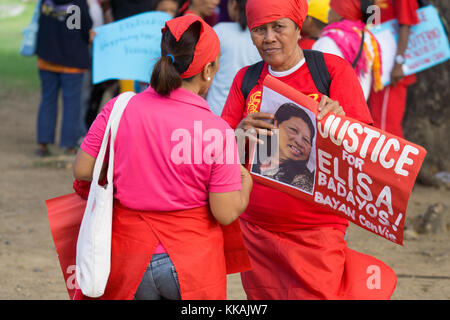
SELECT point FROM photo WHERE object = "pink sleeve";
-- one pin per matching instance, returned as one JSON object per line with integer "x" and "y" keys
{"x": 226, "y": 171}
{"x": 93, "y": 139}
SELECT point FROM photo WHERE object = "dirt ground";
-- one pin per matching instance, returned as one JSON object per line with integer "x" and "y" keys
{"x": 29, "y": 267}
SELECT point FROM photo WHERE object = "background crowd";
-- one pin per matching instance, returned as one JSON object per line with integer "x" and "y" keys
{"x": 64, "y": 56}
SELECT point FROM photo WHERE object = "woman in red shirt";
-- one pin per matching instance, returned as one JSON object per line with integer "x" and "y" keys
{"x": 297, "y": 249}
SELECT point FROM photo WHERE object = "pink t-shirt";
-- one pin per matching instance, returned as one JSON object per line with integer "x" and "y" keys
{"x": 170, "y": 152}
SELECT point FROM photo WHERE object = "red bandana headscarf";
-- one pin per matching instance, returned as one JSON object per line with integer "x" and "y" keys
{"x": 347, "y": 9}
{"x": 208, "y": 45}
{"x": 260, "y": 12}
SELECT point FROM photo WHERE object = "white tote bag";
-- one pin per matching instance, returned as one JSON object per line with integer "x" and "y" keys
{"x": 93, "y": 255}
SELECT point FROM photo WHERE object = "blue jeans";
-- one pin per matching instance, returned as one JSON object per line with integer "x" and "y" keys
{"x": 160, "y": 280}
{"x": 71, "y": 85}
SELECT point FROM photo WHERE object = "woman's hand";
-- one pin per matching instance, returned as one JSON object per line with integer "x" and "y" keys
{"x": 256, "y": 124}
{"x": 246, "y": 179}
{"x": 396, "y": 74}
{"x": 327, "y": 105}
{"x": 92, "y": 35}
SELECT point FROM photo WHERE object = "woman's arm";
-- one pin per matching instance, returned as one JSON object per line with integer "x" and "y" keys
{"x": 228, "y": 206}
{"x": 83, "y": 167}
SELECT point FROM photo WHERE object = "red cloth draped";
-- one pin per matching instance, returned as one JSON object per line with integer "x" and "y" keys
{"x": 202, "y": 250}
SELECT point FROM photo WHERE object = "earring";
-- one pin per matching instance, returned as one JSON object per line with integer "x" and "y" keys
{"x": 209, "y": 78}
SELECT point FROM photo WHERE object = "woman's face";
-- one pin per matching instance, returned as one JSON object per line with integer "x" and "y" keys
{"x": 294, "y": 139}
{"x": 277, "y": 43}
{"x": 333, "y": 16}
{"x": 169, "y": 6}
{"x": 204, "y": 8}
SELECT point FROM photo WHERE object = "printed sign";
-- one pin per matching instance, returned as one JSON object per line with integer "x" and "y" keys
{"x": 428, "y": 44}
{"x": 128, "y": 48}
{"x": 360, "y": 172}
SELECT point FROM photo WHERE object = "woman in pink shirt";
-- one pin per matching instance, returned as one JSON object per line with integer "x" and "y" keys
{"x": 174, "y": 166}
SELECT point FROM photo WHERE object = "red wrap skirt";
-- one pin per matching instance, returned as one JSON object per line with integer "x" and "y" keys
{"x": 311, "y": 264}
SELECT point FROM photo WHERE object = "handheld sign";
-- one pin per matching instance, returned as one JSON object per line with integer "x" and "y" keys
{"x": 359, "y": 172}
{"x": 427, "y": 47}
{"x": 128, "y": 48}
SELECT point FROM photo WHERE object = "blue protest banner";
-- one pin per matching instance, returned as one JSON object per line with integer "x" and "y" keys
{"x": 427, "y": 47}
{"x": 128, "y": 48}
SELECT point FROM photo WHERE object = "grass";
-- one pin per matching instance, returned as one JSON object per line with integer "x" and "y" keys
{"x": 16, "y": 72}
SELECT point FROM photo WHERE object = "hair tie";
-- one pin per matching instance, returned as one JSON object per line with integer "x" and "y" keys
{"x": 173, "y": 59}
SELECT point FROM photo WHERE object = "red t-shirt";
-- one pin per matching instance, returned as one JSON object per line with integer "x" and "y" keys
{"x": 405, "y": 11}
{"x": 306, "y": 42}
{"x": 268, "y": 207}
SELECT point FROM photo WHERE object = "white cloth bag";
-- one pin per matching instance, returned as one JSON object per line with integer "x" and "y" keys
{"x": 93, "y": 255}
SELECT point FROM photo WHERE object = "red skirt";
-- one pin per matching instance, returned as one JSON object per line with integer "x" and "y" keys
{"x": 202, "y": 250}
{"x": 311, "y": 264}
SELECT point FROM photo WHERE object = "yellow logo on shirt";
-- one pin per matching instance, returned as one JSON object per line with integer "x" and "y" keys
{"x": 315, "y": 96}
{"x": 382, "y": 4}
{"x": 253, "y": 102}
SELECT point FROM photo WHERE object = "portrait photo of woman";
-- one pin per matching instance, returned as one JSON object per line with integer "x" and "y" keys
{"x": 291, "y": 160}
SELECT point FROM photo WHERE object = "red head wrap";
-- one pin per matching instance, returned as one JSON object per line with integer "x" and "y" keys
{"x": 208, "y": 45}
{"x": 347, "y": 9}
{"x": 260, "y": 12}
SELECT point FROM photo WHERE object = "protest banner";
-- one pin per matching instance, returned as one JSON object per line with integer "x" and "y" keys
{"x": 427, "y": 47}
{"x": 128, "y": 48}
{"x": 358, "y": 171}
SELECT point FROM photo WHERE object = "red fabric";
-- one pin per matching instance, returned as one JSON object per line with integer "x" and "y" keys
{"x": 347, "y": 9}
{"x": 64, "y": 217}
{"x": 273, "y": 209}
{"x": 191, "y": 237}
{"x": 405, "y": 11}
{"x": 310, "y": 264}
{"x": 388, "y": 108}
{"x": 260, "y": 12}
{"x": 208, "y": 45}
{"x": 306, "y": 42}
{"x": 202, "y": 250}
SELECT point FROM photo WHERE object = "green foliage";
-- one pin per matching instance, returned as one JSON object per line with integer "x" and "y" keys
{"x": 16, "y": 71}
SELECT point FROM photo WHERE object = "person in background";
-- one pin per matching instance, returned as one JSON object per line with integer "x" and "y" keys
{"x": 236, "y": 52}
{"x": 388, "y": 105}
{"x": 205, "y": 9}
{"x": 63, "y": 58}
{"x": 344, "y": 38}
{"x": 126, "y": 8}
{"x": 169, "y": 6}
{"x": 315, "y": 21}
{"x": 223, "y": 11}
{"x": 96, "y": 14}
{"x": 171, "y": 245}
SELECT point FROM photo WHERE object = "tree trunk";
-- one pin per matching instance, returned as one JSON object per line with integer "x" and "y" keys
{"x": 427, "y": 116}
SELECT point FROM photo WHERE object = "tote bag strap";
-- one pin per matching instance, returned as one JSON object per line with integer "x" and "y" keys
{"x": 113, "y": 124}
